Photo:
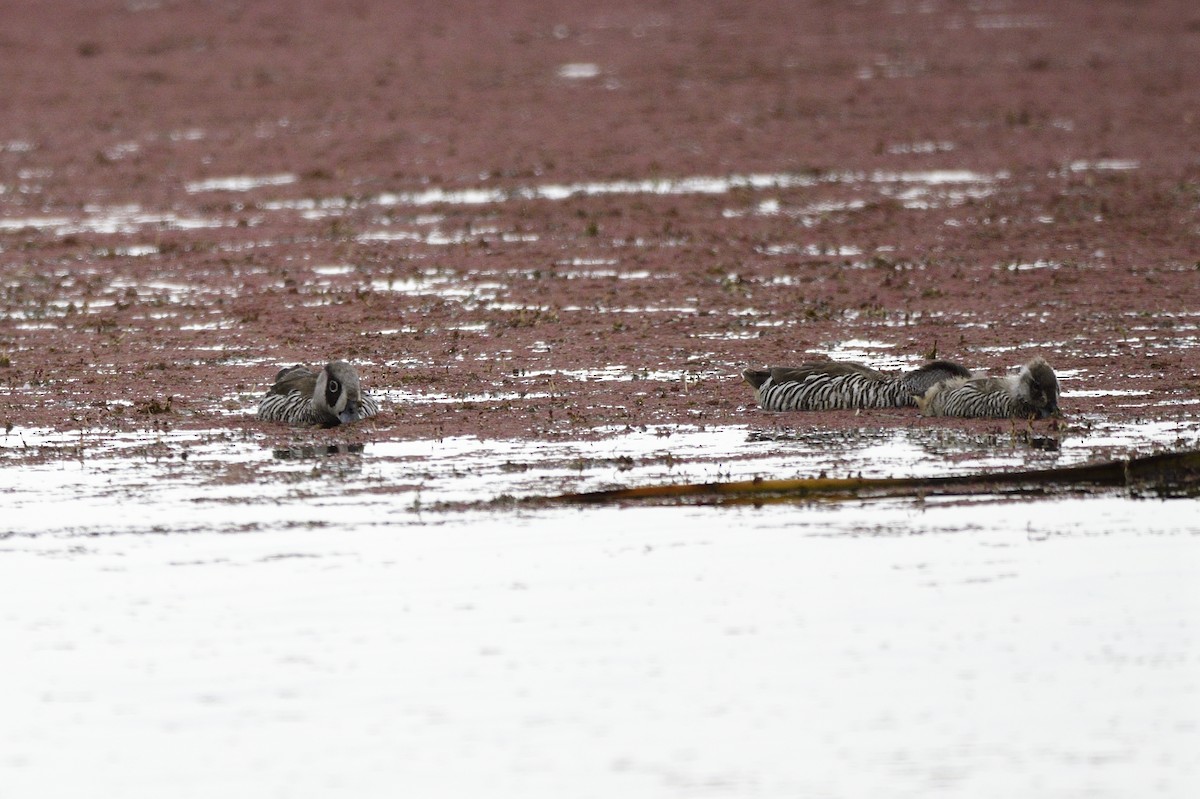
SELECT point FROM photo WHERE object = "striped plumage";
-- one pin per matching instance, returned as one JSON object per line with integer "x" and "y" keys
{"x": 836, "y": 385}
{"x": 1030, "y": 393}
{"x": 327, "y": 398}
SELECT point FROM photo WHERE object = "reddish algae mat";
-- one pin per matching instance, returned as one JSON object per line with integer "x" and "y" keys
{"x": 536, "y": 221}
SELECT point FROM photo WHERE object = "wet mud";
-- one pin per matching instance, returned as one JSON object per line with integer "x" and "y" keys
{"x": 570, "y": 220}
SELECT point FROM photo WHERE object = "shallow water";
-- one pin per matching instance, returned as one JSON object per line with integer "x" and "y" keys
{"x": 323, "y": 627}
{"x": 319, "y": 630}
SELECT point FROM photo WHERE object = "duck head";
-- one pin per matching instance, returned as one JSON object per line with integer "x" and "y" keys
{"x": 337, "y": 394}
{"x": 1039, "y": 385}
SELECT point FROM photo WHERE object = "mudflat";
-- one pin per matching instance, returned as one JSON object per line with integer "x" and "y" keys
{"x": 598, "y": 214}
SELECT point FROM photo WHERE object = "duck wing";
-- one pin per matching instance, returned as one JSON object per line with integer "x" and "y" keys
{"x": 930, "y": 374}
{"x": 790, "y": 374}
{"x": 294, "y": 378}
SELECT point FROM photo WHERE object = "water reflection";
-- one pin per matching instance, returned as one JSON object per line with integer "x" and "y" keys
{"x": 300, "y": 452}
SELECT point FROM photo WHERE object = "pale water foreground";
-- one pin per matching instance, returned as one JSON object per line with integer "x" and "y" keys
{"x": 315, "y": 629}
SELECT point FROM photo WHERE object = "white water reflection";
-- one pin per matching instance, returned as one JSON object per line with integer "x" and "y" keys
{"x": 239, "y": 183}
{"x": 136, "y": 250}
{"x": 578, "y": 71}
{"x": 873, "y": 353}
{"x": 1029, "y": 266}
{"x": 441, "y": 283}
{"x": 1105, "y": 164}
{"x": 604, "y": 274}
{"x": 1105, "y": 392}
{"x": 633, "y": 309}
{"x": 811, "y": 250}
{"x": 441, "y": 238}
{"x": 127, "y": 219}
{"x": 334, "y": 269}
{"x": 921, "y": 147}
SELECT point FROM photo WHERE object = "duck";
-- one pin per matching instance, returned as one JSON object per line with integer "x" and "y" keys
{"x": 1030, "y": 393}
{"x": 330, "y": 397}
{"x": 838, "y": 385}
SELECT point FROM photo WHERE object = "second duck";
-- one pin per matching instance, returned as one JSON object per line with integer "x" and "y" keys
{"x": 1031, "y": 393}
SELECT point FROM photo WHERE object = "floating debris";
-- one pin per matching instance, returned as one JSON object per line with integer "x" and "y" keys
{"x": 1173, "y": 474}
